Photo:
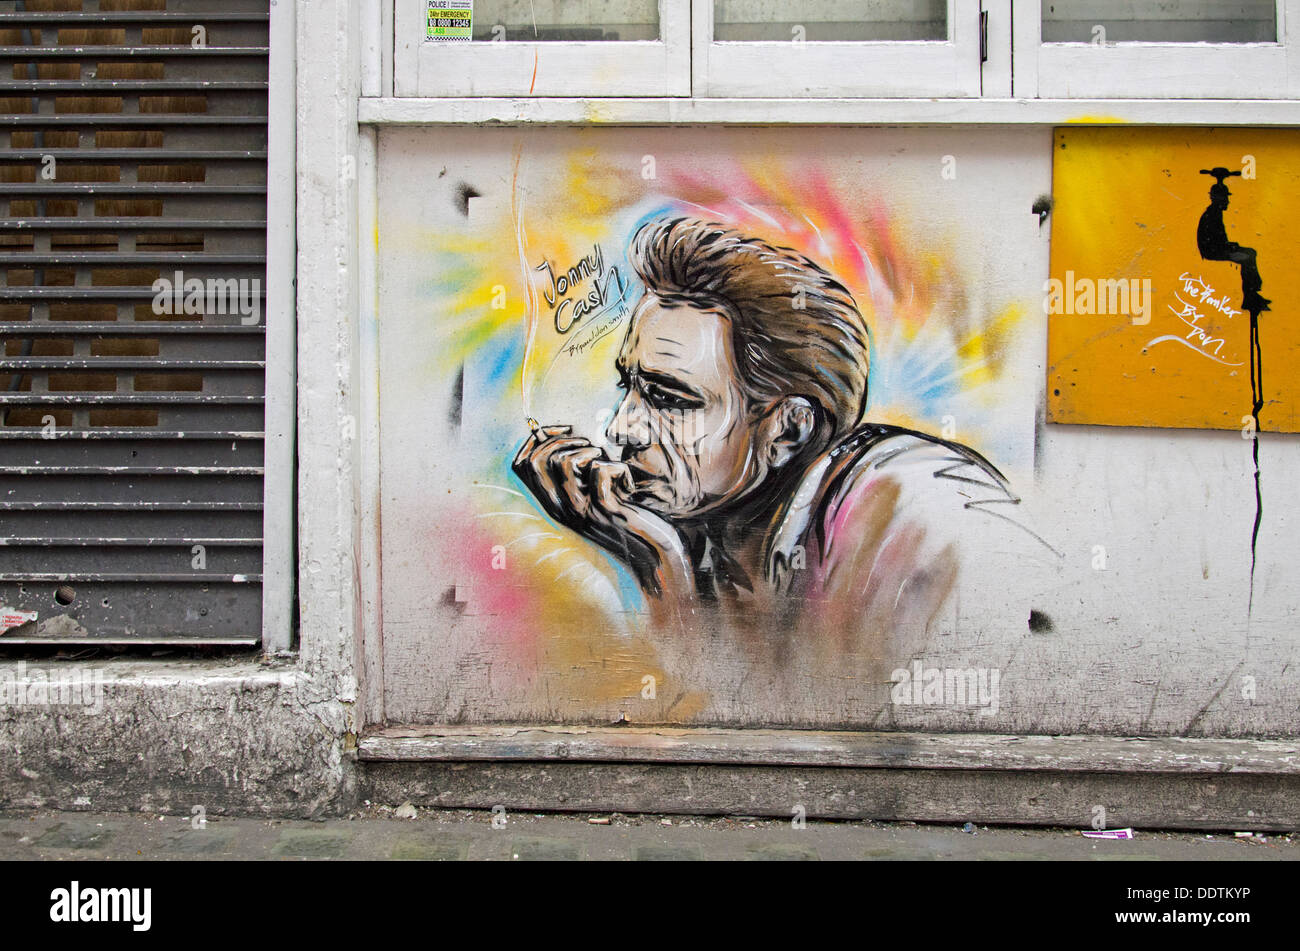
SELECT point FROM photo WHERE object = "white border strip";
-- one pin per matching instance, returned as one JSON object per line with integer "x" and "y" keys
{"x": 749, "y": 112}
{"x": 279, "y": 512}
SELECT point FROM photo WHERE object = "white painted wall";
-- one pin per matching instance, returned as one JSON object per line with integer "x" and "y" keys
{"x": 1161, "y": 641}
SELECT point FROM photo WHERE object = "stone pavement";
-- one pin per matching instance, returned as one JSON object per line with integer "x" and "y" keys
{"x": 382, "y": 833}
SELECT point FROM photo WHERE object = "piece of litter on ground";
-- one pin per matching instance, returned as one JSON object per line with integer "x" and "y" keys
{"x": 1242, "y": 835}
{"x": 404, "y": 811}
{"x": 665, "y": 822}
{"x": 1107, "y": 833}
{"x": 969, "y": 827}
{"x": 598, "y": 821}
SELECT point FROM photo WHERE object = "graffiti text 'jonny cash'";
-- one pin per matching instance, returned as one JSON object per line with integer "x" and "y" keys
{"x": 569, "y": 311}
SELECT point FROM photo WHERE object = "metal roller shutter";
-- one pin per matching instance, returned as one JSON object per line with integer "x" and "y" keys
{"x": 131, "y": 439}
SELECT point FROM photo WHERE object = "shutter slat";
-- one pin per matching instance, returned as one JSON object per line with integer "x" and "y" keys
{"x": 196, "y": 577}
{"x": 101, "y": 53}
{"x": 135, "y": 542}
{"x": 68, "y": 436}
{"x": 130, "y": 470}
{"x": 130, "y": 224}
{"x": 112, "y": 363}
{"x": 122, "y": 399}
{"x": 132, "y": 257}
{"x": 130, "y": 188}
{"x": 108, "y": 329}
{"x": 77, "y": 505}
{"x": 127, "y": 86}
{"x": 16, "y": 18}
{"x": 107, "y": 120}
{"x": 99, "y": 156}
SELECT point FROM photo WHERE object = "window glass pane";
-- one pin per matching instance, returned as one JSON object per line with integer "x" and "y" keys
{"x": 827, "y": 21}
{"x": 570, "y": 21}
{"x": 1159, "y": 21}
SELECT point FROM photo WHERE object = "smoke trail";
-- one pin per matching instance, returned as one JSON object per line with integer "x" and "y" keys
{"x": 521, "y": 243}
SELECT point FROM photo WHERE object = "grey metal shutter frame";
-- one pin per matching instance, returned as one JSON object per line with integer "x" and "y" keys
{"x": 131, "y": 441}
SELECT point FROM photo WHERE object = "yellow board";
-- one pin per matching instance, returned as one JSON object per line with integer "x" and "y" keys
{"x": 1142, "y": 329}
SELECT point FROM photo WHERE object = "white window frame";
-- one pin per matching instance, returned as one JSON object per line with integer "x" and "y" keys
{"x": 279, "y": 509}
{"x": 560, "y": 69}
{"x": 887, "y": 69}
{"x": 1155, "y": 70}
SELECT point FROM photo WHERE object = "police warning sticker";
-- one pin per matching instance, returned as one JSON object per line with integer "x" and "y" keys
{"x": 12, "y": 617}
{"x": 448, "y": 19}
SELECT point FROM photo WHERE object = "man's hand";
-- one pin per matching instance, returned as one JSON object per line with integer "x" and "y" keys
{"x": 584, "y": 491}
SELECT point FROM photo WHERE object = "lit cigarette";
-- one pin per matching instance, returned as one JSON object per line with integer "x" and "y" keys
{"x": 533, "y": 424}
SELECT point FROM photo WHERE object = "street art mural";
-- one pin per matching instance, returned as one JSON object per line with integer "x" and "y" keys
{"x": 730, "y": 435}
{"x": 740, "y": 472}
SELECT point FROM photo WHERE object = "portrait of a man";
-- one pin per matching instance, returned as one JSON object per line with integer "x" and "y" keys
{"x": 741, "y": 477}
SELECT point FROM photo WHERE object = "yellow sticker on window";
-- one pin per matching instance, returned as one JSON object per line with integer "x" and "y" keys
{"x": 448, "y": 20}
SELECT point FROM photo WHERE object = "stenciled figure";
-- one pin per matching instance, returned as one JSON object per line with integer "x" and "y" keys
{"x": 745, "y": 482}
{"x": 1212, "y": 240}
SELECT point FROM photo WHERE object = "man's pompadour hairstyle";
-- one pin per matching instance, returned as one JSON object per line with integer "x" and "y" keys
{"x": 796, "y": 330}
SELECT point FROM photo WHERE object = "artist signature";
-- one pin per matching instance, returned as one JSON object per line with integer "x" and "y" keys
{"x": 1203, "y": 293}
{"x": 1198, "y": 338}
{"x": 595, "y": 331}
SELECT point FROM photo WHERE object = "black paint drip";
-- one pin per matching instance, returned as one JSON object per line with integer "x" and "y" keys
{"x": 1256, "y": 404}
{"x": 1212, "y": 240}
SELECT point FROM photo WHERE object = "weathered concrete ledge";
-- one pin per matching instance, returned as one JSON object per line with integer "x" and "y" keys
{"x": 1210, "y": 801}
{"x": 989, "y": 751}
{"x": 1153, "y": 782}
{"x": 231, "y": 736}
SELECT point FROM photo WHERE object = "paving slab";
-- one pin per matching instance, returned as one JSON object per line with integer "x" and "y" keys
{"x": 459, "y": 835}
